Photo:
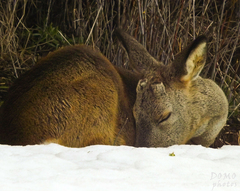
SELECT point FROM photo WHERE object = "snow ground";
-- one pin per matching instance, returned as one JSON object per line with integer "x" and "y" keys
{"x": 119, "y": 168}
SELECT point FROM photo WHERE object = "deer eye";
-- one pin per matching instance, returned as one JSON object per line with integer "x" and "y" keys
{"x": 165, "y": 118}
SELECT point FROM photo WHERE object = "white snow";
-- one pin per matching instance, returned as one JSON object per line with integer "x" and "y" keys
{"x": 119, "y": 168}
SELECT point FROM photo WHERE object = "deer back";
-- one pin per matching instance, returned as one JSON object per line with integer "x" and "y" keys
{"x": 74, "y": 97}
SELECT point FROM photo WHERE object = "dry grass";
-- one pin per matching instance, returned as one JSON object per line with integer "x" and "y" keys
{"x": 29, "y": 29}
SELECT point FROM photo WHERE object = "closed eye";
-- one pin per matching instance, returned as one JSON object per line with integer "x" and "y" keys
{"x": 165, "y": 118}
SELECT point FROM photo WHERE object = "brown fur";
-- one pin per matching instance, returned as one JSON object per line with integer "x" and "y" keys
{"x": 74, "y": 97}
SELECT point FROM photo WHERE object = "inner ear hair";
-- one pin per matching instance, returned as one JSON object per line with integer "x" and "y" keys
{"x": 195, "y": 62}
{"x": 187, "y": 64}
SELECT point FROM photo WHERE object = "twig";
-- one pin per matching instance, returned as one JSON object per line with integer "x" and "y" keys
{"x": 64, "y": 37}
{"x": 94, "y": 24}
{"x": 234, "y": 48}
{"x": 177, "y": 25}
{"x": 120, "y": 131}
{"x": 48, "y": 13}
{"x": 234, "y": 110}
{"x": 217, "y": 42}
{"x": 141, "y": 22}
{"x": 194, "y": 20}
{"x": 119, "y": 9}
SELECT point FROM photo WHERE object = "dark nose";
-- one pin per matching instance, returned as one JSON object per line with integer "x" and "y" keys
{"x": 142, "y": 143}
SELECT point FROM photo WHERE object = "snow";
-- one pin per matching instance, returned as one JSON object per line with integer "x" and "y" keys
{"x": 119, "y": 168}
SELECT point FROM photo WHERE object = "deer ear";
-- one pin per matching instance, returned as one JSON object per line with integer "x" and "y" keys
{"x": 139, "y": 57}
{"x": 190, "y": 62}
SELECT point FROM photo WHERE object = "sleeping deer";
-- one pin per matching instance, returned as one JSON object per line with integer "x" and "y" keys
{"x": 75, "y": 97}
{"x": 174, "y": 105}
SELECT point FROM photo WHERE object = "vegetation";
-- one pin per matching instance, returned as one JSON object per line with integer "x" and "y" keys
{"x": 29, "y": 29}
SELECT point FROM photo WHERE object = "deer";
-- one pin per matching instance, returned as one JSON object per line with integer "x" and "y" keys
{"x": 174, "y": 104}
{"x": 76, "y": 97}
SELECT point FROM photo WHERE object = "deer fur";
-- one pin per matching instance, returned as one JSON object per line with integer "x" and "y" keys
{"x": 174, "y": 105}
{"x": 75, "y": 97}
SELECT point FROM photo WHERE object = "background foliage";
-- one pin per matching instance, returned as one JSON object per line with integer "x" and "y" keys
{"x": 29, "y": 29}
